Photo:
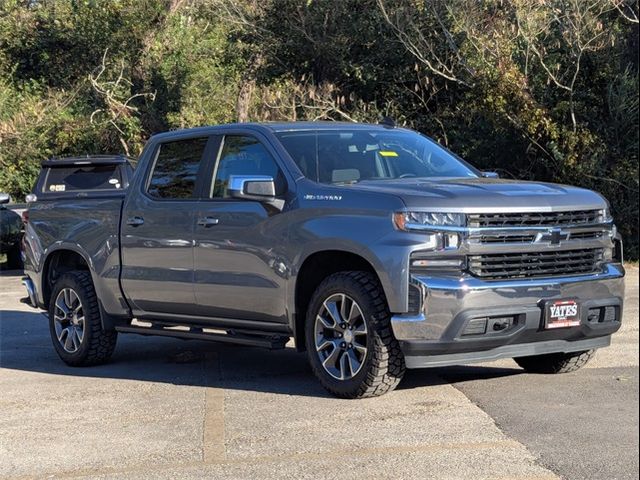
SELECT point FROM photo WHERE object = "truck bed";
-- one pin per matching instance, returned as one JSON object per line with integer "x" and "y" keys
{"x": 89, "y": 226}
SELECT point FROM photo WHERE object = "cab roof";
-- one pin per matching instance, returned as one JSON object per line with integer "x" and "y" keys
{"x": 274, "y": 127}
{"x": 86, "y": 160}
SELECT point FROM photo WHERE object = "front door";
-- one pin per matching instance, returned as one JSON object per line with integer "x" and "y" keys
{"x": 240, "y": 270}
{"x": 157, "y": 231}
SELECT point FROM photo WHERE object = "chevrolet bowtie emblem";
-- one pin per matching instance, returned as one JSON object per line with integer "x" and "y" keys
{"x": 554, "y": 236}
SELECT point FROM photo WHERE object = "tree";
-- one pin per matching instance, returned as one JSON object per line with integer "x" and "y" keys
{"x": 535, "y": 89}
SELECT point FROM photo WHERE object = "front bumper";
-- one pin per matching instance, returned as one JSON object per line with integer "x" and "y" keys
{"x": 438, "y": 334}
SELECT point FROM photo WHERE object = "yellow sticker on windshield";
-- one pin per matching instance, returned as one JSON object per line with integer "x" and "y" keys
{"x": 388, "y": 153}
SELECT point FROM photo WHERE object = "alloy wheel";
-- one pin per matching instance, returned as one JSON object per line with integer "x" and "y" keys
{"x": 341, "y": 336}
{"x": 68, "y": 318}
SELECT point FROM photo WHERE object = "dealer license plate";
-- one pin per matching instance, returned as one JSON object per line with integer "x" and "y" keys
{"x": 562, "y": 314}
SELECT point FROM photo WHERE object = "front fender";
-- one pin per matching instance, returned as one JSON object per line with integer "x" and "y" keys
{"x": 367, "y": 234}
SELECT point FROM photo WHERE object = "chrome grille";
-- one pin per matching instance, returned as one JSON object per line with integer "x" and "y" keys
{"x": 586, "y": 235}
{"x": 532, "y": 219}
{"x": 496, "y": 266}
{"x": 504, "y": 239}
{"x": 507, "y": 236}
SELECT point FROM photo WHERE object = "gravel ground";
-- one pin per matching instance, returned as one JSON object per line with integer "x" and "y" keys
{"x": 165, "y": 408}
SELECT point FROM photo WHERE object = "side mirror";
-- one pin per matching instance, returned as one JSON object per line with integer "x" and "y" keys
{"x": 252, "y": 187}
{"x": 490, "y": 174}
{"x": 4, "y": 198}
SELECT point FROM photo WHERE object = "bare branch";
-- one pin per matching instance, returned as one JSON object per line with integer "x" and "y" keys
{"x": 114, "y": 93}
{"x": 611, "y": 180}
{"x": 620, "y": 5}
{"x": 412, "y": 38}
{"x": 302, "y": 100}
{"x": 579, "y": 24}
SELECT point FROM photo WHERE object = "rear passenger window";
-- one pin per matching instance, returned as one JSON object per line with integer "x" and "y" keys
{"x": 176, "y": 167}
{"x": 76, "y": 178}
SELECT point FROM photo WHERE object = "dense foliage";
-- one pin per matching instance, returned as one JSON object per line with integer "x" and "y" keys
{"x": 535, "y": 89}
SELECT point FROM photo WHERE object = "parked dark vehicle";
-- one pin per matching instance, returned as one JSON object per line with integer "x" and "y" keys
{"x": 10, "y": 233}
{"x": 372, "y": 246}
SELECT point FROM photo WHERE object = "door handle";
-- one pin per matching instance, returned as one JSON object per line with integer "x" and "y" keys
{"x": 135, "y": 221}
{"x": 207, "y": 222}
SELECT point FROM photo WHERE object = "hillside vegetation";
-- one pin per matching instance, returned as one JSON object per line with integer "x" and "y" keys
{"x": 534, "y": 89}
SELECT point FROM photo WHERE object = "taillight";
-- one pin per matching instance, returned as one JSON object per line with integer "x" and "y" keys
{"x": 30, "y": 198}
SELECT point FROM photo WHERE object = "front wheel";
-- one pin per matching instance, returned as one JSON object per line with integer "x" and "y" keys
{"x": 349, "y": 340}
{"x": 75, "y": 324}
{"x": 555, "y": 362}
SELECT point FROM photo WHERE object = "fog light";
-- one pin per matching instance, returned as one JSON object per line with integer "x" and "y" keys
{"x": 499, "y": 324}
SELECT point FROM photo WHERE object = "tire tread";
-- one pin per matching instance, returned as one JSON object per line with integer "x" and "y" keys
{"x": 387, "y": 365}
{"x": 555, "y": 362}
{"x": 101, "y": 343}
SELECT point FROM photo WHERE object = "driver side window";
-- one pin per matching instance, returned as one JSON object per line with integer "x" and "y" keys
{"x": 243, "y": 155}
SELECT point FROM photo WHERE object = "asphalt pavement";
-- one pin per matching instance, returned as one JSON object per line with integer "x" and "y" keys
{"x": 166, "y": 408}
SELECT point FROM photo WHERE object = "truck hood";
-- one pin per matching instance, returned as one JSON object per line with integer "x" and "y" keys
{"x": 485, "y": 195}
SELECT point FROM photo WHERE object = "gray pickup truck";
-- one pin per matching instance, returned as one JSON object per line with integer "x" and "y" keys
{"x": 373, "y": 247}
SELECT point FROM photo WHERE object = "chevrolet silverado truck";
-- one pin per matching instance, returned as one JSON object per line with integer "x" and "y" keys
{"x": 373, "y": 247}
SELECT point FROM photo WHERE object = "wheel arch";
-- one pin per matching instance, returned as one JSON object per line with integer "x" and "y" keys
{"x": 57, "y": 262}
{"x": 314, "y": 269}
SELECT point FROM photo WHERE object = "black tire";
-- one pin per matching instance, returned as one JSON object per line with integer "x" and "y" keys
{"x": 555, "y": 362}
{"x": 14, "y": 259}
{"x": 382, "y": 366}
{"x": 97, "y": 345}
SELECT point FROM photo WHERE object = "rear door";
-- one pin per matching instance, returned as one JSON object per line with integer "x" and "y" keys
{"x": 158, "y": 226}
{"x": 240, "y": 268}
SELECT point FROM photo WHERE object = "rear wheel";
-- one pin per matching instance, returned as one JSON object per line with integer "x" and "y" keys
{"x": 555, "y": 362}
{"x": 350, "y": 344}
{"x": 75, "y": 324}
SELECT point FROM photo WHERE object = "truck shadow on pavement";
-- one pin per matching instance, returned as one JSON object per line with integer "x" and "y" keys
{"x": 25, "y": 345}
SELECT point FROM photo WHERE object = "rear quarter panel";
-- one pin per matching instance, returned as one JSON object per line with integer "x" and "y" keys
{"x": 90, "y": 227}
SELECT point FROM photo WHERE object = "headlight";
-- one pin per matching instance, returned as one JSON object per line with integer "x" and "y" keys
{"x": 440, "y": 228}
{"x": 423, "y": 220}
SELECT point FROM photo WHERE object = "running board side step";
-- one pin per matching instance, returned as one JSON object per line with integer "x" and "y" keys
{"x": 274, "y": 342}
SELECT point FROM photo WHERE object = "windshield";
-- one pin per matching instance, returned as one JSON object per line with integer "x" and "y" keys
{"x": 349, "y": 156}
